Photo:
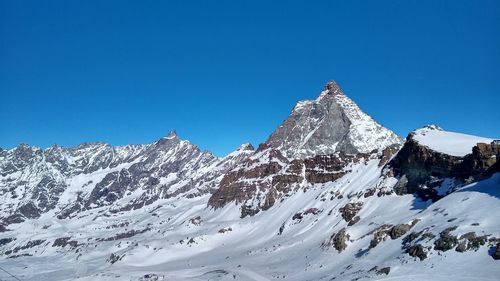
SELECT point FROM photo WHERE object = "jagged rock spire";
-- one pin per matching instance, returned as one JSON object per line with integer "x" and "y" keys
{"x": 169, "y": 139}
{"x": 171, "y": 135}
{"x": 332, "y": 88}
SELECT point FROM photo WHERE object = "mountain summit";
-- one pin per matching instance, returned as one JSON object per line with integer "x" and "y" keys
{"x": 331, "y": 123}
{"x": 332, "y": 88}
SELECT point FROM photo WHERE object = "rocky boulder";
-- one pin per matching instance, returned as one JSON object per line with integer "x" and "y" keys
{"x": 417, "y": 251}
{"x": 337, "y": 240}
{"x": 349, "y": 212}
{"x": 399, "y": 230}
{"x": 446, "y": 241}
{"x": 496, "y": 254}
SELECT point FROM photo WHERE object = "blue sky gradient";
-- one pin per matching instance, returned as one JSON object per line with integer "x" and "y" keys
{"x": 222, "y": 73}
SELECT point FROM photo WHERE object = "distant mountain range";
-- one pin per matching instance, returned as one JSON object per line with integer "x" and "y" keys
{"x": 331, "y": 195}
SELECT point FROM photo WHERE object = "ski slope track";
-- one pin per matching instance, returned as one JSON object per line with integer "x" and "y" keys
{"x": 331, "y": 195}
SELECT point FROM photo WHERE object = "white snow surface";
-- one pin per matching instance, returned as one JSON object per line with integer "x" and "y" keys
{"x": 365, "y": 133}
{"x": 174, "y": 248}
{"x": 451, "y": 143}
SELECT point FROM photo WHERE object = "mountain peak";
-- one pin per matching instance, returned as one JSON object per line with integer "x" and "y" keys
{"x": 23, "y": 145}
{"x": 169, "y": 139}
{"x": 245, "y": 146}
{"x": 433, "y": 127}
{"x": 171, "y": 135}
{"x": 331, "y": 123}
{"x": 332, "y": 87}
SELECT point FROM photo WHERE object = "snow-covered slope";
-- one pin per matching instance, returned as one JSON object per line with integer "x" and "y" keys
{"x": 183, "y": 240}
{"x": 450, "y": 143}
{"x": 330, "y": 196}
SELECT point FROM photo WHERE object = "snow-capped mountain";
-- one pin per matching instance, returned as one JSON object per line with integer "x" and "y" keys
{"x": 331, "y": 195}
{"x": 450, "y": 143}
{"x": 92, "y": 175}
{"x": 33, "y": 180}
{"x": 317, "y": 143}
{"x": 329, "y": 124}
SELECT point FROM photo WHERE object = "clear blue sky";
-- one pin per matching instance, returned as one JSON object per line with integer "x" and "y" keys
{"x": 222, "y": 73}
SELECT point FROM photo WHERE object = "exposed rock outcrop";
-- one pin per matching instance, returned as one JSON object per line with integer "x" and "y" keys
{"x": 337, "y": 240}
{"x": 276, "y": 177}
{"x": 380, "y": 271}
{"x": 300, "y": 215}
{"x": 380, "y": 234}
{"x": 399, "y": 230}
{"x": 64, "y": 241}
{"x": 446, "y": 240}
{"x": 421, "y": 170}
{"x": 113, "y": 258}
{"x": 386, "y": 231}
{"x": 349, "y": 212}
{"x": 471, "y": 242}
{"x": 417, "y": 251}
{"x": 496, "y": 254}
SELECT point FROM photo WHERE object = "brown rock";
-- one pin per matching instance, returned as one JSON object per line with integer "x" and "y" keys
{"x": 399, "y": 230}
{"x": 350, "y": 210}
{"x": 337, "y": 240}
{"x": 417, "y": 251}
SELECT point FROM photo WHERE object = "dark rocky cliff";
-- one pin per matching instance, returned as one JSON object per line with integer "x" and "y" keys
{"x": 421, "y": 170}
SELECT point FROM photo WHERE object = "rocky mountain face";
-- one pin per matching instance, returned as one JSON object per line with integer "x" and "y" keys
{"x": 423, "y": 171}
{"x": 331, "y": 123}
{"x": 315, "y": 144}
{"x": 33, "y": 180}
{"x": 268, "y": 176}
{"x": 93, "y": 175}
{"x": 331, "y": 195}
